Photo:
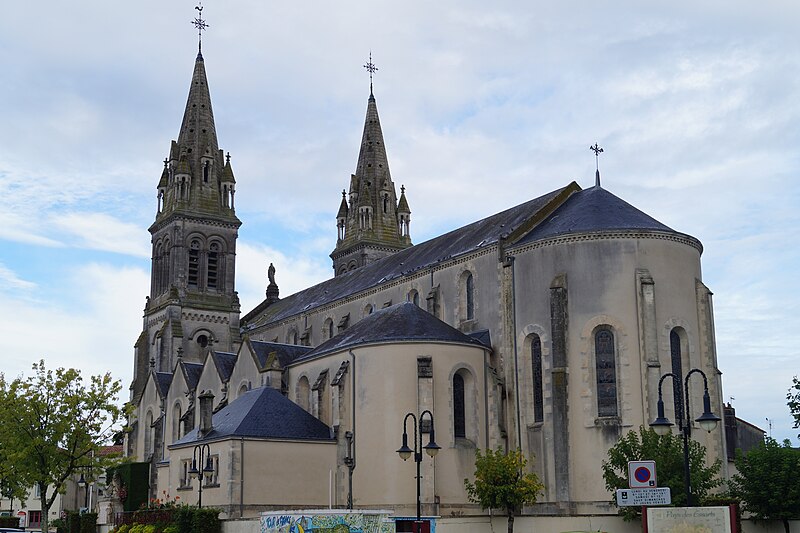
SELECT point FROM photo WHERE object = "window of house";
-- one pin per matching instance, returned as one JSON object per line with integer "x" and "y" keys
{"x": 213, "y": 266}
{"x": 459, "y": 408}
{"x": 606, "y": 372}
{"x": 213, "y": 480}
{"x": 469, "y": 296}
{"x": 328, "y": 329}
{"x": 676, "y": 357}
{"x": 34, "y": 519}
{"x": 194, "y": 263}
{"x": 148, "y": 434}
{"x": 303, "y": 393}
{"x": 186, "y": 477}
{"x": 413, "y": 297}
{"x": 538, "y": 381}
{"x": 176, "y": 422}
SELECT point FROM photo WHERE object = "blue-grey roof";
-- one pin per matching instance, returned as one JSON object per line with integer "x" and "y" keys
{"x": 262, "y": 413}
{"x": 192, "y": 372}
{"x": 286, "y": 352}
{"x": 163, "y": 381}
{"x": 224, "y": 361}
{"x": 398, "y": 323}
{"x": 483, "y": 336}
{"x": 461, "y": 241}
{"x": 593, "y": 209}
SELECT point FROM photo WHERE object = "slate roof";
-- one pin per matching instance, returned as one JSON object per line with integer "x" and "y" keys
{"x": 163, "y": 381}
{"x": 286, "y": 352}
{"x": 461, "y": 241}
{"x": 482, "y": 336}
{"x": 398, "y": 323}
{"x": 593, "y": 209}
{"x": 224, "y": 361}
{"x": 192, "y": 372}
{"x": 262, "y": 413}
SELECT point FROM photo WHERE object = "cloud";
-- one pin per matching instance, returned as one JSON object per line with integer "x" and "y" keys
{"x": 99, "y": 231}
{"x": 10, "y": 280}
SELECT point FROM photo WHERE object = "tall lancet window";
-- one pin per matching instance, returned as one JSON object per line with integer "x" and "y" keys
{"x": 538, "y": 381}
{"x": 459, "y": 407}
{"x": 213, "y": 266}
{"x": 676, "y": 356}
{"x": 606, "y": 372}
{"x": 469, "y": 287}
{"x": 194, "y": 263}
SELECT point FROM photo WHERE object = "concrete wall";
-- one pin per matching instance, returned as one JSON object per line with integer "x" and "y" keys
{"x": 527, "y": 524}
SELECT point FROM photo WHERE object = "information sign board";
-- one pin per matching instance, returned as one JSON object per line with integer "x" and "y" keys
{"x": 646, "y": 497}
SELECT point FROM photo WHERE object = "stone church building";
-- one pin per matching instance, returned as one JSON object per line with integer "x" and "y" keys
{"x": 544, "y": 327}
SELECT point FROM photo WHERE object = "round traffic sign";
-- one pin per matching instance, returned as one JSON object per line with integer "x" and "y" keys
{"x": 642, "y": 474}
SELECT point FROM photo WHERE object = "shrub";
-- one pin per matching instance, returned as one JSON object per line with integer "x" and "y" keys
{"x": 171, "y": 529}
{"x": 206, "y": 520}
{"x": 88, "y": 523}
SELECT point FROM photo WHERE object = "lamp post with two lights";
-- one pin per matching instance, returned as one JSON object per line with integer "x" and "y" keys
{"x": 662, "y": 425}
{"x": 405, "y": 452}
{"x": 204, "y": 460}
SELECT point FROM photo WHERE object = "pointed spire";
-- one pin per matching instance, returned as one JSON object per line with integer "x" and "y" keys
{"x": 198, "y": 133}
{"x": 402, "y": 205}
{"x": 343, "y": 206}
{"x": 227, "y": 172}
{"x": 372, "y": 160}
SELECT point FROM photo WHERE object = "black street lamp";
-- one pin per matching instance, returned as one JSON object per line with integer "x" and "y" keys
{"x": 405, "y": 452}
{"x": 207, "y": 471}
{"x": 708, "y": 420}
{"x": 84, "y": 483}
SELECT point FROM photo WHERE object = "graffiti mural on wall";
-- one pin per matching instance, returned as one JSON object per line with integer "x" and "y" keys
{"x": 327, "y": 522}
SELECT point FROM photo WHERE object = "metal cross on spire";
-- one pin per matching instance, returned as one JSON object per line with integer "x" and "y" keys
{"x": 371, "y": 68}
{"x": 597, "y": 151}
{"x": 201, "y": 25}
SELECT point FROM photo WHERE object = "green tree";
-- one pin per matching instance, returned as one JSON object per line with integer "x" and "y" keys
{"x": 501, "y": 482}
{"x": 52, "y": 424}
{"x": 766, "y": 481}
{"x": 793, "y": 400}
{"x": 667, "y": 452}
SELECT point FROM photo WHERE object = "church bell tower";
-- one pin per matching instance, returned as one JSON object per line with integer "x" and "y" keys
{"x": 193, "y": 304}
{"x": 372, "y": 222}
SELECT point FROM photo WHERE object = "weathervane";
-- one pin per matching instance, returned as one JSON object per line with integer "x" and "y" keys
{"x": 371, "y": 68}
{"x": 201, "y": 25}
{"x": 597, "y": 151}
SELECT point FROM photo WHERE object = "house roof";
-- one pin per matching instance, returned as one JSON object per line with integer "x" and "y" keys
{"x": 163, "y": 381}
{"x": 192, "y": 372}
{"x": 262, "y": 413}
{"x": 398, "y": 323}
{"x": 286, "y": 352}
{"x": 592, "y": 210}
{"x": 224, "y": 361}
{"x": 469, "y": 238}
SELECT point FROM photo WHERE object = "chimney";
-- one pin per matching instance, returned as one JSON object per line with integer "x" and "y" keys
{"x": 274, "y": 371}
{"x": 206, "y": 410}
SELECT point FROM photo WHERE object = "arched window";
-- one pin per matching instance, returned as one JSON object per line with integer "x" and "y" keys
{"x": 176, "y": 422}
{"x": 676, "y": 357}
{"x": 469, "y": 296}
{"x": 213, "y": 265}
{"x": 413, "y": 297}
{"x": 328, "y": 329}
{"x": 206, "y": 168}
{"x": 292, "y": 337}
{"x": 606, "y": 372}
{"x": 148, "y": 434}
{"x": 368, "y": 309}
{"x": 459, "y": 407}
{"x": 303, "y": 393}
{"x": 538, "y": 381}
{"x": 194, "y": 263}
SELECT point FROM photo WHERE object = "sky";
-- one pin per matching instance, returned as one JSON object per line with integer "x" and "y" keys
{"x": 483, "y": 105}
